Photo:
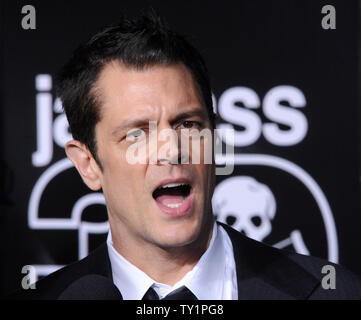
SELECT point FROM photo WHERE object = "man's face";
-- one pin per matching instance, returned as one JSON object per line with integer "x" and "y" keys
{"x": 139, "y": 210}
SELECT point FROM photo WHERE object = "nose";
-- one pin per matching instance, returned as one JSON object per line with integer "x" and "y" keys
{"x": 169, "y": 149}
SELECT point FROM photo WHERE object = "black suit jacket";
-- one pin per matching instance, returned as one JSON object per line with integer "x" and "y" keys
{"x": 263, "y": 272}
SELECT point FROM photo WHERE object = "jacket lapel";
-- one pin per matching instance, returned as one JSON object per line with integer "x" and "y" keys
{"x": 98, "y": 262}
{"x": 264, "y": 272}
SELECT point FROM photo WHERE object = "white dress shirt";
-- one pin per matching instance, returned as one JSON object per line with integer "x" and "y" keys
{"x": 212, "y": 278}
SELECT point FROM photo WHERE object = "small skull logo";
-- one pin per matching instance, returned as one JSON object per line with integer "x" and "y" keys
{"x": 245, "y": 204}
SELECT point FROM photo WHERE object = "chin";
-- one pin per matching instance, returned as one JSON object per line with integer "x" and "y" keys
{"x": 179, "y": 236}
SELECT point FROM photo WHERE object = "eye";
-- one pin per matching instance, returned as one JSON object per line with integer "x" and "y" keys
{"x": 190, "y": 124}
{"x": 134, "y": 135}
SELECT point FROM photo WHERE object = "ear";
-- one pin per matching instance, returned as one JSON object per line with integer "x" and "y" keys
{"x": 84, "y": 162}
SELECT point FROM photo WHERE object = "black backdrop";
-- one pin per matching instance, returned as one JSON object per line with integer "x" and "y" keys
{"x": 287, "y": 86}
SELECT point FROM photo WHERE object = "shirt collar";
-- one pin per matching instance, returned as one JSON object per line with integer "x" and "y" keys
{"x": 205, "y": 280}
{"x": 133, "y": 283}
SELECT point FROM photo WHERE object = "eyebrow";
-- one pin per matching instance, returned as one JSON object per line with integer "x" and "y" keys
{"x": 130, "y": 124}
{"x": 138, "y": 122}
{"x": 189, "y": 114}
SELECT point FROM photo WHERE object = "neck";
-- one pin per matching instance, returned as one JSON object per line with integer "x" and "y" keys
{"x": 164, "y": 265}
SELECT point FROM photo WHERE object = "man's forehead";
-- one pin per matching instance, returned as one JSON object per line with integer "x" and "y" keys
{"x": 117, "y": 75}
{"x": 146, "y": 90}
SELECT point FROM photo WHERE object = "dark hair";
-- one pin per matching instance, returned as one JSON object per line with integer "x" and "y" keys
{"x": 137, "y": 43}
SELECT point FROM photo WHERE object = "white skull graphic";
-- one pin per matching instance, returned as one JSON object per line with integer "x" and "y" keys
{"x": 245, "y": 204}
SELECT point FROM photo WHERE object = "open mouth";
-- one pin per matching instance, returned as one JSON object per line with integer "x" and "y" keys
{"x": 172, "y": 195}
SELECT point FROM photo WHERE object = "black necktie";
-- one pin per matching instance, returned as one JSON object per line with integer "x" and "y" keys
{"x": 182, "y": 293}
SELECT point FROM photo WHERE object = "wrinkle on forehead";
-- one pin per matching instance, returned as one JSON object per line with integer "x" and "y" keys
{"x": 154, "y": 86}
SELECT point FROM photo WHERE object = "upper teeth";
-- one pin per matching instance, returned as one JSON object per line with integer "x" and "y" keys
{"x": 174, "y": 205}
{"x": 172, "y": 185}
